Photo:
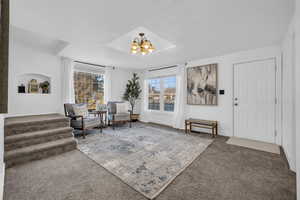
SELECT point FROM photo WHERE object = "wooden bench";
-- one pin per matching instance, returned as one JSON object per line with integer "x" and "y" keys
{"x": 200, "y": 123}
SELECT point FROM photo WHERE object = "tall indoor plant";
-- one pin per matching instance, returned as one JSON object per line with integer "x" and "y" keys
{"x": 133, "y": 91}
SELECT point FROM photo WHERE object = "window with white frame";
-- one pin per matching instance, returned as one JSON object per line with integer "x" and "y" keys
{"x": 162, "y": 93}
{"x": 89, "y": 88}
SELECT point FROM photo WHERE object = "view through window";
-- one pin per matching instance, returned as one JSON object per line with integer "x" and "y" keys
{"x": 169, "y": 93}
{"x": 162, "y": 92}
{"x": 89, "y": 88}
{"x": 154, "y": 94}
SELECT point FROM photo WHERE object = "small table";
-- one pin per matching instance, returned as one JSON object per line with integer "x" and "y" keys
{"x": 101, "y": 114}
{"x": 200, "y": 123}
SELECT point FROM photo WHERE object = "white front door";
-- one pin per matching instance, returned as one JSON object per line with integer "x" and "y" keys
{"x": 254, "y": 100}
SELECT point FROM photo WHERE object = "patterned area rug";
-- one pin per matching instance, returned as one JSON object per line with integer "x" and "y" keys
{"x": 146, "y": 158}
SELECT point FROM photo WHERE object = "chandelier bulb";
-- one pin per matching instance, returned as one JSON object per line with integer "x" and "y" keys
{"x": 141, "y": 45}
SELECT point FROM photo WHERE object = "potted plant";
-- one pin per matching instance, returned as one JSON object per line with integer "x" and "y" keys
{"x": 45, "y": 87}
{"x": 133, "y": 91}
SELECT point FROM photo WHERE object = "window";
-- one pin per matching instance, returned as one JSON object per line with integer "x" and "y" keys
{"x": 154, "y": 94}
{"x": 161, "y": 94}
{"x": 169, "y": 93}
{"x": 89, "y": 88}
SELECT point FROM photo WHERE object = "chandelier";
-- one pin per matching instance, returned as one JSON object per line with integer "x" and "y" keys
{"x": 141, "y": 45}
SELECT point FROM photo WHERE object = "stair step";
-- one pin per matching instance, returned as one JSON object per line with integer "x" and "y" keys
{"x": 19, "y": 125}
{"x": 39, "y": 151}
{"x": 37, "y": 137}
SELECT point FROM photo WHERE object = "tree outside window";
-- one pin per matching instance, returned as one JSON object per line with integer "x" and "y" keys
{"x": 89, "y": 88}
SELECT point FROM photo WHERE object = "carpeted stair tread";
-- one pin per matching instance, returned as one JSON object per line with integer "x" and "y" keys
{"x": 11, "y": 121}
{"x": 38, "y": 148}
{"x": 20, "y": 125}
{"x": 36, "y": 134}
{"x": 36, "y": 137}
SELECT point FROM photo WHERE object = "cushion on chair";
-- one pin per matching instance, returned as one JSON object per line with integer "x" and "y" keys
{"x": 81, "y": 109}
{"x": 122, "y": 108}
{"x": 89, "y": 122}
{"x": 122, "y": 117}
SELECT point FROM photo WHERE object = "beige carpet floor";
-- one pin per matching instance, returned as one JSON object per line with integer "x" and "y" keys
{"x": 252, "y": 144}
{"x": 221, "y": 172}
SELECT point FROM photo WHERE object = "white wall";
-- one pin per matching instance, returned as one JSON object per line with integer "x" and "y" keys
{"x": 223, "y": 112}
{"x": 24, "y": 58}
{"x": 288, "y": 97}
{"x": 31, "y": 58}
{"x": 2, "y": 166}
{"x": 119, "y": 80}
{"x": 297, "y": 94}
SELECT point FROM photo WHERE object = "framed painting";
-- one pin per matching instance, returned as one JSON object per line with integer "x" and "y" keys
{"x": 202, "y": 85}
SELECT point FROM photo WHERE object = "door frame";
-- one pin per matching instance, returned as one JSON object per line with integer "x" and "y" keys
{"x": 277, "y": 135}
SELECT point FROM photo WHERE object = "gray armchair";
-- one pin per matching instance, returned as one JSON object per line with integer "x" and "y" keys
{"x": 81, "y": 122}
{"x": 115, "y": 116}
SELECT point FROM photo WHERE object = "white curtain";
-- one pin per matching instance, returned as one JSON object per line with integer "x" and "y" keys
{"x": 68, "y": 93}
{"x": 180, "y": 101}
{"x": 107, "y": 83}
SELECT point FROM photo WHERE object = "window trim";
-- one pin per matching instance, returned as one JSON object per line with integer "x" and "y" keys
{"x": 161, "y": 95}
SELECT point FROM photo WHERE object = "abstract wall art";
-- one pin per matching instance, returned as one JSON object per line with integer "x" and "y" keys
{"x": 202, "y": 85}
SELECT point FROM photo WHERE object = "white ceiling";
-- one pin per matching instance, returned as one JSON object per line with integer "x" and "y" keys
{"x": 37, "y": 41}
{"x": 198, "y": 28}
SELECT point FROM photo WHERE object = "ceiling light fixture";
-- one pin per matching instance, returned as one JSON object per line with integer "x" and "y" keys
{"x": 141, "y": 45}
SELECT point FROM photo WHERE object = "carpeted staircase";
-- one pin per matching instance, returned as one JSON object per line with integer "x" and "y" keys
{"x": 36, "y": 137}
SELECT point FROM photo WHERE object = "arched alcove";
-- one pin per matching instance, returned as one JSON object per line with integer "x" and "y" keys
{"x": 24, "y": 86}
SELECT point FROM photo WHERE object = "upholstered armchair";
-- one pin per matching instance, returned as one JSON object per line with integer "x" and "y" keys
{"x": 118, "y": 113}
{"x": 81, "y": 119}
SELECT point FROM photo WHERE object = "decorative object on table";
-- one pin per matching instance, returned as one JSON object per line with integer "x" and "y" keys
{"x": 141, "y": 45}
{"x": 81, "y": 118}
{"x": 118, "y": 113}
{"x": 21, "y": 88}
{"x": 133, "y": 91}
{"x": 45, "y": 86}
{"x": 200, "y": 123}
{"x": 33, "y": 86}
{"x": 202, "y": 85}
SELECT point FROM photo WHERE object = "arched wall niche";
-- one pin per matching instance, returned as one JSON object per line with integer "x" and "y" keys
{"x": 24, "y": 85}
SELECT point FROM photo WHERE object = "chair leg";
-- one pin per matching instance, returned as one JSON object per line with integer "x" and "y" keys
{"x": 101, "y": 123}
{"x": 83, "y": 133}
